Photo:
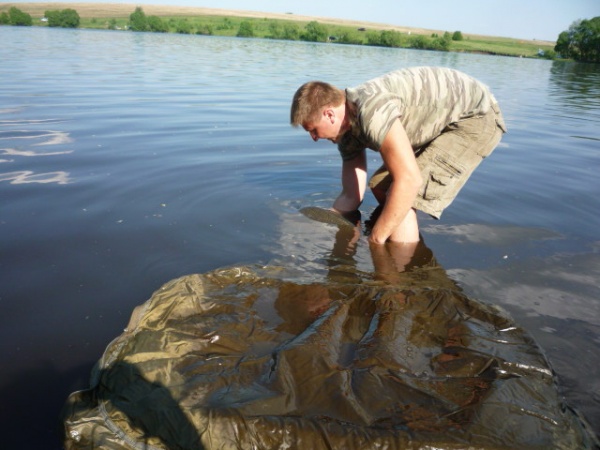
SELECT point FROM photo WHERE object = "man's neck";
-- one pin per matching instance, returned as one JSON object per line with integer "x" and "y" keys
{"x": 349, "y": 115}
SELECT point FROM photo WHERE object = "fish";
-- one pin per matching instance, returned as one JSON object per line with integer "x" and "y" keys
{"x": 326, "y": 216}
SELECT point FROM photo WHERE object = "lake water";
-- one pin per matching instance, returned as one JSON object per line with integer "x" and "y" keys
{"x": 127, "y": 160}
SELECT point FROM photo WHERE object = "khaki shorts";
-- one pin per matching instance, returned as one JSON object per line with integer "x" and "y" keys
{"x": 448, "y": 161}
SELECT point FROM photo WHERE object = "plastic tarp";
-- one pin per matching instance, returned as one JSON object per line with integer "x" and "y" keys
{"x": 250, "y": 358}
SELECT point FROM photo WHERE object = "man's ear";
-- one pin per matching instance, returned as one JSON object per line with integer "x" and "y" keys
{"x": 329, "y": 113}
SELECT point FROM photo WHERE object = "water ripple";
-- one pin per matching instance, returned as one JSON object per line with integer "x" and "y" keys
{"x": 21, "y": 143}
{"x": 27, "y": 176}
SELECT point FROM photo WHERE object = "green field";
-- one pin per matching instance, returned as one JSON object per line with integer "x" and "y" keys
{"x": 263, "y": 28}
{"x": 269, "y": 27}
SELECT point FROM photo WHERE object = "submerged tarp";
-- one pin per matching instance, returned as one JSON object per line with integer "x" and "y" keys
{"x": 246, "y": 358}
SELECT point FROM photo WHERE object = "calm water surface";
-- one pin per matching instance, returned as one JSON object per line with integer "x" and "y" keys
{"x": 127, "y": 160}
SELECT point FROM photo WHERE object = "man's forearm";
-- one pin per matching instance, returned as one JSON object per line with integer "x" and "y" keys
{"x": 354, "y": 181}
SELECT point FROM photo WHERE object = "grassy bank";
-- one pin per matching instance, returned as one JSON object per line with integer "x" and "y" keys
{"x": 221, "y": 22}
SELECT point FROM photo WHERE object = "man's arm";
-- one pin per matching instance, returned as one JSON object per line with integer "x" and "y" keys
{"x": 354, "y": 183}
{"x": 397, "y": 220}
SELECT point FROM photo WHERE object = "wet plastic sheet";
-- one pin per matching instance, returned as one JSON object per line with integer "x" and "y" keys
{"x": 243, "y": 359}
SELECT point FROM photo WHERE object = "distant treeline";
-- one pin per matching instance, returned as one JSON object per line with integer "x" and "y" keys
{"x": 287, "y": 30}
{"x": 581, "y": 42}
{"x": 66, "y": 18}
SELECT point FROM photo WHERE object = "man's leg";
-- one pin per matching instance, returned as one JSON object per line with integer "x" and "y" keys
{"x": 408, "y": 230}
{"x": 448, "y": 161}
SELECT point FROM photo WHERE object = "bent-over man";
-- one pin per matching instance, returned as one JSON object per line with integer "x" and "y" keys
{"x": 431, "y": 125}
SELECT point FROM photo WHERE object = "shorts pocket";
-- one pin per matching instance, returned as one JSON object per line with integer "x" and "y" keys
{"x": 442, "y": 177}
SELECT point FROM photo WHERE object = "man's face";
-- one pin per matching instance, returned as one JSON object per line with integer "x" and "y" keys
{"x": 327, "y": 127}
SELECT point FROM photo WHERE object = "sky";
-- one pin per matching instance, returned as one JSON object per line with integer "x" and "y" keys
{"x": 523, "y": 19}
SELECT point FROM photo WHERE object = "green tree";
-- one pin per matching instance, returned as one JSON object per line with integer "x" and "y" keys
{"x": 183, "y": 27}
{"x": 18, "y": 17}
{"x": 291, "y": 32}
{"x": 275, "y": 30}
{"x": 391, "y": 38}
{"x": 138, "y": 20}
{"x": 206, "y": 29}
{"x": 157, "y": 25}
{"x": 581, "y": 42}
{"x": 112, "y": 24}
{"x": 441, "y": 42}
{"x": 420, "y": 42}
{"x": 4, "y": 19}
{"x": 66, "y": 18}
{"x": 315, "y": 32}
{"x": 70, "y": 18}
{"x": 350, "y": 37}
{"x": 53, "y": 17}
{"x": 385, "y": 38}
{"x": 549, "y": 54}
{"x": 246, "y": 29}
{"x": 588, "y": 40}
{"x": 373, "y": 38}
{"x": 457, "y": 36}
{"x": 227, "y": 24}
{"x": 563, "y": 44}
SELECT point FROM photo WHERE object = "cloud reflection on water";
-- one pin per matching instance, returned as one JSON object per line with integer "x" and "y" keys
{"x": 27, "y": 176}
{"x": 491, "y": 235}
{"x": 563, "y": 286}
{"x": 558, "y": 300}
{"x": 14, "y": 139}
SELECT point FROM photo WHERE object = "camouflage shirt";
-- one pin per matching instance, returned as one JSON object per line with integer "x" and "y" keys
{"x": 425, "y": 99}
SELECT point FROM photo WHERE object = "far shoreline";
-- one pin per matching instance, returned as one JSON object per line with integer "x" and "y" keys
{"x": 108, "y": 10}
{"x": 226, "y": 22}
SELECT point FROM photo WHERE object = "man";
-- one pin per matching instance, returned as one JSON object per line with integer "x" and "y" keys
{"x": 431, "y": 125}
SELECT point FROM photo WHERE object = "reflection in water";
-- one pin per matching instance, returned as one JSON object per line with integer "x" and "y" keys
{"x": 27, "y": 176}
{"x": 251, "y": 357}
{"x": 394, "y": 264}
{"x": 575, "y": 83}
{"x": 491, "y": 235}
{"x": 559, "y": 303}
{"x": 397, "y": 264}
{"x": 549, "y": 290}
{"x": 351, "y": 260}
{"x": 12, "y": 141}
{"x": 340, "y": 254}
{"x": 576, "y": 88}
{"x": 15, "y": 152}
{"x": 564, "y": 286}
{"x": 46, "y": 137}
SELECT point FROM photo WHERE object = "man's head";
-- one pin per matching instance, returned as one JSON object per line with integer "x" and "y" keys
{"x": 320, "y": 109}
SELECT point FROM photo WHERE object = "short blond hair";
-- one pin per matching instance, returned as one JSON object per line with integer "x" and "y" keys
{"x": 311, "y": 98}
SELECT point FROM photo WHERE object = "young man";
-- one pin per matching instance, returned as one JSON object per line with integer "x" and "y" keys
{"x": 431, "y": 125}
